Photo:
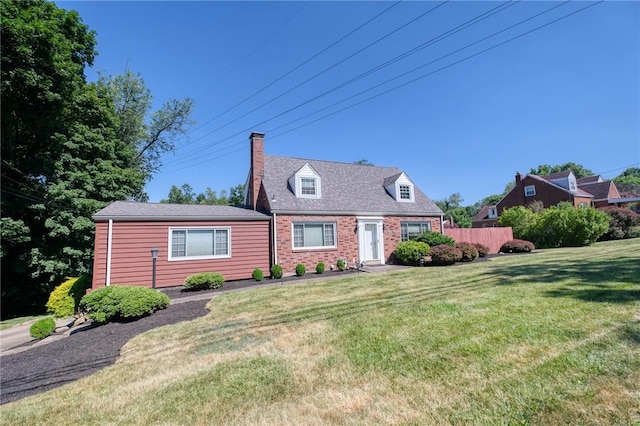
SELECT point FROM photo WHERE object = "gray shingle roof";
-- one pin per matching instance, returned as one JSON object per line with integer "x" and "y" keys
{"x": 131, "y": 211}
{"x": 346, "y": 189}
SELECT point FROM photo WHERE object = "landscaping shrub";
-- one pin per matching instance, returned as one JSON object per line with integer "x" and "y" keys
{"x": 435, "y": 239}
{"x": 517, "y": 246}
{"x": 64, "y": 299}
{"x": 204, "y": 280}
{"x": 520, "y": 219}
{"x": 320, "y": 268}
{"x": 258, "y": 275}
{"x": 410, "y": 252}
{"x": 444, "y": 254}
{"x": 482, "y": 249}
{"x": 623, "y": 223}
{"x": 341, "y": 264}
{"x": 567, "y": 226}
{"x": 300, "y": 269}
{"x": 44, "y": 327}
{"x": 115, "y": 303}
{"x": 276, "y": 271}
{"x": 469, "y": 251}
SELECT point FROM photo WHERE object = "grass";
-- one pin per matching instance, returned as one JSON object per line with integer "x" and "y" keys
{"x": 18, "y": 321}
{"x": 551, "y": 337}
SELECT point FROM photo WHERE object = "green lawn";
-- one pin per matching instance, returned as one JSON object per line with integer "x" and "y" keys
{"x": 17, "y": 321}
{"x": 551, "y": 337}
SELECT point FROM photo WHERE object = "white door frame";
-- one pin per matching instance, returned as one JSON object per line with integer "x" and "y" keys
{"x": 379, "y": 222}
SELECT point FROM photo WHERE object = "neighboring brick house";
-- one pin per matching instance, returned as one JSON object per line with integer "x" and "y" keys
{"x": 322, "y": 211}
{"x": 487, "y": 217}
{"x": 549, "y": 190}
{"x": 602, "y": 190}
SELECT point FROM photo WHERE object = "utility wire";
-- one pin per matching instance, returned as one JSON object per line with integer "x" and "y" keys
{"x": 440, "y": 69}
{"x": 296, "y": 68}
{"x": 427, "y": 74}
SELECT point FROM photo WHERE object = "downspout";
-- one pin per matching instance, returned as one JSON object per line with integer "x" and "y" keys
{"x": 442, "y": 223}
{"x": 275, "y": 240}
{"x": 109, "y": 238}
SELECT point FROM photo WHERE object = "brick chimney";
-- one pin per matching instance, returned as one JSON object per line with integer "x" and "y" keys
{"x": 518, "y": 178}
{"x": 257, "y": 168}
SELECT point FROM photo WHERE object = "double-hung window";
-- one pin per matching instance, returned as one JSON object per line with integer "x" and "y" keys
{"x": 314, "y": 235}
{"x": 199, "y": 243}
{"x": 409, "y": 230}
{"x": 308, "y": 186}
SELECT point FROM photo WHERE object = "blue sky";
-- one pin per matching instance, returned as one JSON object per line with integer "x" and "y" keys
{"x": 458, "y": 111}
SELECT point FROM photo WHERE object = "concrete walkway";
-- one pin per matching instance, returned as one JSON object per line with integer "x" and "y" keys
{"x": 15, "y": 339}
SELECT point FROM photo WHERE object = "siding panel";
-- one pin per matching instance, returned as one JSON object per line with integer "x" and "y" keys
{"x": 131, "y": 252}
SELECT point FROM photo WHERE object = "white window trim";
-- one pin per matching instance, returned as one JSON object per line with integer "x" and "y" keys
{"x": 399, "y": 198}
{"x": 170, "y": 258}
{"x": 414, "y": 223}
{"x": 533, "y": 187}
{"x": 335, "y": 236}
{"x": 316, "y": 187}
{"x": 493, "y": 213}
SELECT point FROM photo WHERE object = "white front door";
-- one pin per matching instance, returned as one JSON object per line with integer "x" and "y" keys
{"x": 370, "y": 240}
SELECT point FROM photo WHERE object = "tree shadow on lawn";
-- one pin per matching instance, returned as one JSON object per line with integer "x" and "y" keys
{"x": 592, "y": 280}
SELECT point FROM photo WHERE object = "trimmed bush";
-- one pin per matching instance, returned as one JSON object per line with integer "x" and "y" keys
{"x": 44, "y": 327}
{"x": 623, "y": 223}
{"x": 435, "y": 239}
{"x": 300, "y": 269}
{"x": 520, "y": 219}
{"x": 320, "y": 268}
{"x": 469, "y": 251}
{"x": 410, "y": 252}
{"x": 119, "y": 303}
{"x": 567, "y": 226}
{"x": 444, "y": 254}
{"x": 203, "y": 281}
{"x": 64, "y": 299}
{"x": 258, "y": 275}
{"x": 341, "y": 264}
{"x": 482, "y": 249}
{"x": 517, "y": 246}
{"x": 276, "y": 271}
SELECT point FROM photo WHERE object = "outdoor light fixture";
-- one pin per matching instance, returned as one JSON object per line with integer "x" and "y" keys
{"x": 154, "y": 256}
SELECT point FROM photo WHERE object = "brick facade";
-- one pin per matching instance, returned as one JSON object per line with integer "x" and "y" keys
{"x": 347, "y": 245}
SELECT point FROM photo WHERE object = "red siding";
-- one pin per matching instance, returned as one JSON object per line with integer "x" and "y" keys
{"x": 490, "y": 237}
{"x": 131, "y": 262}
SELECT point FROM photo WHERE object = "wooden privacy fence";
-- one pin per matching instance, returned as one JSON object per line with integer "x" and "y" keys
{"x": 490, "y": 237}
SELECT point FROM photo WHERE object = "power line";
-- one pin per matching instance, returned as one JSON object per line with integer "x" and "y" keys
{"x": 296, "y": 68}
{"x": 415, "y": 79}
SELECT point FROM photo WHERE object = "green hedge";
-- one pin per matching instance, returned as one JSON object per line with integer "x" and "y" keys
{"x": 119, "y": 303}
{"x": 300, "y": 269}
{"x": 410, "y": 252}
{"x": 203, "y": 281}
{"x": 258, "y": 275}
{"x": 276, "y": 271}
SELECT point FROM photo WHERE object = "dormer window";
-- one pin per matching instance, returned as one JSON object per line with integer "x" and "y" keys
{"x": 493, "y": 213}
{"x": 306, "y": 183}
{"x": 400, "y": 188}
{"x": 308, "y": 186}
{"x": 405, "y": 192}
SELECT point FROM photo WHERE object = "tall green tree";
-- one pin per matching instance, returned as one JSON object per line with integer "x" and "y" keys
{"x": 186, "y": 195}
{"x": 64, "y": 152}
{"x": 149, "y": 133}
{"x": 578, "y": 170}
